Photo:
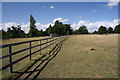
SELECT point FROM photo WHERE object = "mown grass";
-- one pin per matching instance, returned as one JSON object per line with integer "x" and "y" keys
{"x": 22, "y": 65}
{"x": 77, "y": 60}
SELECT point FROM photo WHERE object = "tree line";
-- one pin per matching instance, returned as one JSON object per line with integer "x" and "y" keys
{"x": 58, "y": 28}
{"x": 104, "y": 30}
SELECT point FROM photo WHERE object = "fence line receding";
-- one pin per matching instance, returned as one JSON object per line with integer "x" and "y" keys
{"x": 51, "y": 41}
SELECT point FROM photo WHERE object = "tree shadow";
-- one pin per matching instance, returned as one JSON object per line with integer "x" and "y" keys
{"x": 43, "y": 62}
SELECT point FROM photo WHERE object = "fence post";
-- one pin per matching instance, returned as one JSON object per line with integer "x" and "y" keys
{"x": 46, "y": 45}
{"x": 10, "y": 59}
{"x": 50, "y": 43}
{"x": 53, "y": 40}
{"x": 40, "y": 47}
{"x": 56, "y": 41}
{"x": 30, "y": 49}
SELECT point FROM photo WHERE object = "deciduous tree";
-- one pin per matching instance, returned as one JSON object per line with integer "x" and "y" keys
{"x": 110, "y": 30}
{"x": 117, "y": 29}
{"x": 102, "y": 30}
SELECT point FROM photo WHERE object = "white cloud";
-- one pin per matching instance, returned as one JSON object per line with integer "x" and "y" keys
{"x": 93, "y": 10}
{"x": 1, "y": 26}
{"x": 39, "y": 26}
{"x": 43, "y": 26}
{"x": 52, "y": 7}
{"x": 112, "y": 3}
{"x": 60, "y": 19}
{"x": 24, "y": 27}
{"x": 91, "y": 26}
{"x": 110, "y": 7}
{"x": 64, "y": 20}
{"x": 9, "y": 24}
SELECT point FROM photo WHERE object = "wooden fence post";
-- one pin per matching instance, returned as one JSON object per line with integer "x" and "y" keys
{"x": 46, "y": 45}
{"x": 40, "y": 47}
{"x": 10, "y": 59}
{"x": 30, "y": 49}
{"x": 50, "y": 43}
{"x": 53, "y": 40}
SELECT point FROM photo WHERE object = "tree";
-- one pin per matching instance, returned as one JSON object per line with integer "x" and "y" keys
{"x": 21, "y": 33}
{"x": 110, "y": 30}
{"x": 76, "y": 32}
{"x": 50, "y": 29}
{"x": 13, "y": 32}
{"x": 68, "y": 33}
{"x": 9, "y": 33}
{"x": 41, "y": 33}
{"x": 83, "y": 30}
{"x": 61, "y": 29}
{"x": 117, "y": 29}
{"x": 95, "y": 32}
{"x": 58, "y": 27}
{"x": 102, "y": 30}
{"x": 68, "y": 29}
{"x": 3, "y": 34}
{"x": 57, "y": 22}
{"x": 33, "y": 32}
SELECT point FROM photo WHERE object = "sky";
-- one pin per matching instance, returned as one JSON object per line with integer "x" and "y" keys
{"x": 90, "y": 14}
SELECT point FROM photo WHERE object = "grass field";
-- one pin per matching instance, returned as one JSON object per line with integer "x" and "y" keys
{"x": 75, "y": 59}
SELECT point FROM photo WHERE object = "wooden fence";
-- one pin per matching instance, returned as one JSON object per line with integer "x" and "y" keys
{"x": 10, "y": 53}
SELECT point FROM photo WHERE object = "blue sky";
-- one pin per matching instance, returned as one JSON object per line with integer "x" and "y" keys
{"x": 45, "y": 13}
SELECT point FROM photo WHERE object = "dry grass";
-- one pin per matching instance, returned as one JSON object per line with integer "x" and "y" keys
{"x": 22, "y": 65}
{"x": 16, "y": 40}
{"x": 76, "y": 60}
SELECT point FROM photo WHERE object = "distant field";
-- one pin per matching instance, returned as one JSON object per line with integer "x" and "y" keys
{"x": 9, "y": 41}
{"x": 75, "y": 59}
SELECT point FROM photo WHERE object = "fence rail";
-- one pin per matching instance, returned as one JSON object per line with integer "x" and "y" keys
{"x": 10, "y": 53}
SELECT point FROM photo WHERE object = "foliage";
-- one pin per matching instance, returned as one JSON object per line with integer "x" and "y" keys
{"x": 76, "y": 32}
{"x": 50, "y": 29}
{"x": 110, "y": 30}
{"x": 33, "y": 32}
{"x": 102, "y": 30}
{"x": 13, "y": 32}
{"x": 41, "y": 33}
{"x": 117, "y": 29}
{"x": 3, "y": 34}
{"x": 82, "y": 30}
{"x": 58, "y": 28}
{"x": 95, "y": 32}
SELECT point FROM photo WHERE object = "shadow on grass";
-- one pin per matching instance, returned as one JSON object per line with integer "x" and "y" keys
{"x": 44, "y": 62}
